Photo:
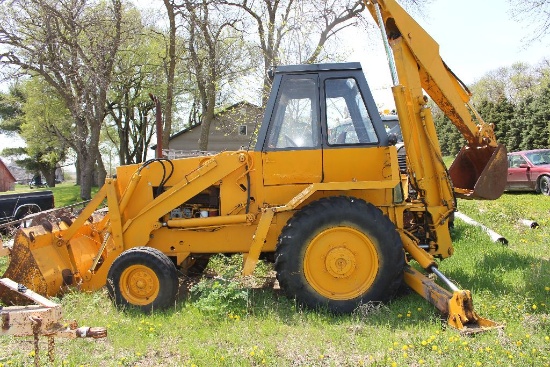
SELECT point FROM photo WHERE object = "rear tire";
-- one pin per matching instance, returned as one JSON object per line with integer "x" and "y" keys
{"x": 544, "y": 185}
{"x": 339, "y": 253}
{"x": 143, "y": 277}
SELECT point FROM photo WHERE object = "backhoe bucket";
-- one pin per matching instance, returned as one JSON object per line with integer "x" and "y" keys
{"x": 479, "y": 172}
{"x": 457, "y": 306}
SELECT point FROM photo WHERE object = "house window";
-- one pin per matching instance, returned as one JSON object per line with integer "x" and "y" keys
{"x": 243, "y": 130}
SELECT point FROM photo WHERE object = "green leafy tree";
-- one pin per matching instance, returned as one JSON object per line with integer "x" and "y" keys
{"x": 11, "y": 110}
{"x": 138, "y": 71}
{"x": 38, "y": 115}
{"x": 536, "y": 130}
{"x": 72, "y": 46}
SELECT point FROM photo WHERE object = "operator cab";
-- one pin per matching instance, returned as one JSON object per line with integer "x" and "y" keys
{"x": 318, "y": 122}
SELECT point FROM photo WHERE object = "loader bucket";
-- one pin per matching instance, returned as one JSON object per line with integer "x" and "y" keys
{"x": 39, "y": 263}
{"x": 479, "y": 172}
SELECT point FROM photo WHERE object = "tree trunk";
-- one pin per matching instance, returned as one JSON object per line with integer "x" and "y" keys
{"x": 49, "y": 174}
{"x": 101, "y": 171}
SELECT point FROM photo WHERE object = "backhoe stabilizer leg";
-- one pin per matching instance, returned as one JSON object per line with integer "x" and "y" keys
{"x": 457, "y": 306}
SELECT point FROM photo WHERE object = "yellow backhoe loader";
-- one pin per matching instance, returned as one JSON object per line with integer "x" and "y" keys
{"x": 321, "y": 193}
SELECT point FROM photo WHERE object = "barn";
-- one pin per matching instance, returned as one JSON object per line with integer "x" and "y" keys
{"x": 7, "y": 181}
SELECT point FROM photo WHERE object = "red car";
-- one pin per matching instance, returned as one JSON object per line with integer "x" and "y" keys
{"x": 529, "y": 170}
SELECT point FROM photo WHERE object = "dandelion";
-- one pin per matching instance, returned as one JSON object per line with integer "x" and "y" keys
{"x": 434, "y": 347}
{"x": 394, "y": 364}
{"x": 534, "y": 307}
{"x": 547, "y": 289}
{"x": 421, "y": 361}
{"x": 321, "y": 356}
{"x": 478, "y": 363}
{"x": 252, "y": 353}
{"x": 399, "y": 315}
{"x": 405, "y": 355}
{"x": 405, "y": 347}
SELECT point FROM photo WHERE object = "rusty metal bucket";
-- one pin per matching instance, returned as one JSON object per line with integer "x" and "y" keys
{"x": 479, "y": 172}
{"x": 41, "y": 262}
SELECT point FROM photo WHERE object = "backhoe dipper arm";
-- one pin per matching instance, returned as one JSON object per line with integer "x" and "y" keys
{"x": 441, "y": 84}
{"x": 480, "y": 169}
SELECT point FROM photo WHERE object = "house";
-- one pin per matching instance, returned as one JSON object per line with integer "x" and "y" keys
{"x": 231, "y": 129}
{"x": 7, "y": 181}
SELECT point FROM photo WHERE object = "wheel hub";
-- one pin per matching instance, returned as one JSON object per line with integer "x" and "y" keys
{"x": 340, "y": 262}
{"x": 140, "y": 284}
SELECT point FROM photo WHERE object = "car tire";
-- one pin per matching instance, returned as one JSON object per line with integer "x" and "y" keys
{"x": 544, "y": 185}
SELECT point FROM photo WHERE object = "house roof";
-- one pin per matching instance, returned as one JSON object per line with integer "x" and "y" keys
{"x": 7, "y": 170}
{"x": 217, "y": 114}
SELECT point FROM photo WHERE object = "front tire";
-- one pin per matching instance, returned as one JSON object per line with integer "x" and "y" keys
{"x": 143, "y": 277}
{"x": 339, "y": 253}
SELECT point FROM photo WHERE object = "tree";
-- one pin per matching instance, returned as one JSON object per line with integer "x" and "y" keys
{"x": 72, "y": 45}
{"x": 536, "y": 130}
{"x": 213, "y": 48}
{"x": 138, "y": 71}
{"x": 39, "y": 113}
{"x": 535, "y": 14}
{"x": 11, "y": 109}
{"x": 276, "y": 21}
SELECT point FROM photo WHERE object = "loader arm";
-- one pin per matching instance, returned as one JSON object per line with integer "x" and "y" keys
{"x": 479, "y": 171}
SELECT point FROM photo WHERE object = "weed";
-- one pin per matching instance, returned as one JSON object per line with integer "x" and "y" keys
{"x": 220, "y": 297}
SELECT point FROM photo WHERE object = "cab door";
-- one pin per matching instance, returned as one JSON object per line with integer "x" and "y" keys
{"x": 355, "y": 142}
{"x": 292, "y": 153}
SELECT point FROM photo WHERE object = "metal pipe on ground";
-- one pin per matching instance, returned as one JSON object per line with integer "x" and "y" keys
{"x": 529, "y": 223}
{"x": 495, "y": 237}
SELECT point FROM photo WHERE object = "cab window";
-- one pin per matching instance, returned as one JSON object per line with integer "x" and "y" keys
{"x": 348, "y": 121}
{"x": 295, "y": 122}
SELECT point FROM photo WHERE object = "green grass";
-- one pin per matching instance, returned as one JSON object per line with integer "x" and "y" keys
{"x": 65, "y": 193}
{"x": 510, "y": 285}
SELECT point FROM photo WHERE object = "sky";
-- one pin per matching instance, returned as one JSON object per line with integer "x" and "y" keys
{"x": 474, "y": 36}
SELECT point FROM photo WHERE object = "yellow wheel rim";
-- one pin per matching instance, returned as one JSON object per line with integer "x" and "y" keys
{"x": 341, "y": 263}
{"x": 139, "y": 285}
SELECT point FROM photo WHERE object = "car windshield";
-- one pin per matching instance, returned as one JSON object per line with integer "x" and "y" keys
{"x": 539, "y": 158}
